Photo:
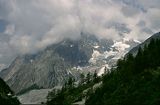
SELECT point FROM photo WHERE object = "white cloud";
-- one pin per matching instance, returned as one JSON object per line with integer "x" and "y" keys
{"x": 153, "y": 17}
{"x": 34, "y": 24}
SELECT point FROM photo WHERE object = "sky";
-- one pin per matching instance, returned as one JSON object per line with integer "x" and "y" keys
{"x": 27, "y": 26}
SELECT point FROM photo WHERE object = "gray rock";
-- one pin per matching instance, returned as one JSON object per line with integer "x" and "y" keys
{"x": 53, "y": 66}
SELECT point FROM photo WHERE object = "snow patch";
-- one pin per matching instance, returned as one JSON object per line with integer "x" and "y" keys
{"x": 102, "y": 70}
{"x": 96, "y": 47}
{"x": 80, "y": 102}
{"x": 109, "y": 53}
{"x": 125, "y": 40}
{"x": 69, "y": 72}
{"x": 95, "y": 56}
{"x": 79, "y": 68}
{"x": 117, "y": 50}
{"x": 136, "y": 41}
{"x": 31, "y": 61}
{"x": 9, "y": 94}
{"x": 71, "y": 45}
{"x": 120, "y": 46}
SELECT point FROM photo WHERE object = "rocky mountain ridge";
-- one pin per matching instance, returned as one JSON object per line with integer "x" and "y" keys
{"x": 54, "y": 65}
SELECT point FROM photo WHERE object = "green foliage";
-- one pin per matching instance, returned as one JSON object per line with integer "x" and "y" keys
{"x": 67, "y": 95}
{"x": 82, "y": 78}
{"x": 135, "y": 81}
{"x": 96, "y": 79}
{"x": 88, "y": 78}
{"x": 70, "y": 93}
{"x": 70, "y": 83}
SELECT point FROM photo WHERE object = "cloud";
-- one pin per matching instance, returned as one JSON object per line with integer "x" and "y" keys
{"x": 153, "y": 16}
{"x": 27, "y": 26}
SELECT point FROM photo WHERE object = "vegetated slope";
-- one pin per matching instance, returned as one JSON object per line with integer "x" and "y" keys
{"x": 135, "y": 81}
{"x": 6, "y": 95}
{"x": 146, "y": 42}
{"x": 71, "y": 94}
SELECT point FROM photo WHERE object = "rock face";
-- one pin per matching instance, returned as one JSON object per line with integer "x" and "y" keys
{"x": 45, "y": 70}
{"x": 54, "y": 65}
{"x": 34, "y": 96}
{"x": 50, "y": 67}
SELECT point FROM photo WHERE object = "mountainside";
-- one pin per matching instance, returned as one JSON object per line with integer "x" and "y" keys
{"x": 135, "y": 81}
{"x": 146, "y": 42}
{"x": 54, "y": 65}
{"x": 6, "y": 95}
{"x": 34, "y": 96}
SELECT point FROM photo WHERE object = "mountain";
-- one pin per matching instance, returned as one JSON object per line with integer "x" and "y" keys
{"x": 136, "y": 79}
{"x": 58, "y": 62}
{"x": 6, "y": 95}
{"x": 146, "y": 42}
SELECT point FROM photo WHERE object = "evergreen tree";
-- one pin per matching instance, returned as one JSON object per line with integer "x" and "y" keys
{"x": 71, "y": 82}
{"x": 95, "y": 77}
{"x": 88, "y": 78}
{"x": 82, "y": 77}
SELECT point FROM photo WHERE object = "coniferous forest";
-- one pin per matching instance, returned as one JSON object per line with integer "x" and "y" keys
{"x": 71, "y": 93}
{"x": 135, "y": 81}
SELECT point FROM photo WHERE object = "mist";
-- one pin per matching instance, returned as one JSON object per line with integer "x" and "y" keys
{"x": 27, "y": 26}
